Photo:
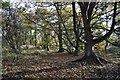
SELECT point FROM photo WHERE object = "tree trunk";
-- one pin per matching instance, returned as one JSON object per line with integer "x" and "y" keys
{"x": 60, "y": 30}
{"x": 106, "y": 44}
{"x": 30, "y": 37}
{"x": 46, "y": 39}
{"x": 89, "y": 56}
{"x": 35, "y": 37}
{"x": 88, "y": 50}
{"x": 75, "y": 28}
{"x": 60, "y": 40}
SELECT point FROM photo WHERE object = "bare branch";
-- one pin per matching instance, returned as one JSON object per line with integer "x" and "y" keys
{"x": 107, "y": 35}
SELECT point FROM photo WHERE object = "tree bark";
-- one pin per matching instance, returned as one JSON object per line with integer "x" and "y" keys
{"x": 89, "y": 56}
{"x": 60, "y": 30}
{"x": 60, "y": 41}
{"x": 75, "y": 29}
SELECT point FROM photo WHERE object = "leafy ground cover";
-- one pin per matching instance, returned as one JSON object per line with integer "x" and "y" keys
{"x": 36, "y": 67}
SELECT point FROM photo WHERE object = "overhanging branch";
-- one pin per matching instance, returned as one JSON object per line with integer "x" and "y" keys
{"x": 107, "y": 35}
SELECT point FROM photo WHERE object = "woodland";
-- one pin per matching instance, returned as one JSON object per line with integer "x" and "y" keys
{"x": 60, "y": 40}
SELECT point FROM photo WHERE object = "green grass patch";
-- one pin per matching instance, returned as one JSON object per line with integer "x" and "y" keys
{"x": 35, "y": 51}
{"x": 10, "y": 55}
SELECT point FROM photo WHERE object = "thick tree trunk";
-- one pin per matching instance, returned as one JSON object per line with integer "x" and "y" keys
{"x": 90, "y": 57}
{"x": 88, "y": 49}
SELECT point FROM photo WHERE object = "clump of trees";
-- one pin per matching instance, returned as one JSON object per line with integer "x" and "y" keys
{"x": 66, "y": 26}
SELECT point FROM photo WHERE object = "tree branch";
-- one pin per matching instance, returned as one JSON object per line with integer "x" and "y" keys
{"x": 90, "y": 10}
{"x": 107, "y": 35}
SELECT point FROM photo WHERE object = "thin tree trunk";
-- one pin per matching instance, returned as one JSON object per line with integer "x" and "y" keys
{"x": 106, "y": 44}
{"x": 35, "y": 37}
{"x": 60, "y": 40}
{"x": 60, "y": 30}
{"x": 75, "y": 29}
{"x": 30, "y": 37}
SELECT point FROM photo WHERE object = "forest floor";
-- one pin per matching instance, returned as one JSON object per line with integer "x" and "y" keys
{"x": 36, "y": 67}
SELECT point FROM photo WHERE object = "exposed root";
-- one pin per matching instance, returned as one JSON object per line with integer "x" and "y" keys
{"x": 91, "y": 60}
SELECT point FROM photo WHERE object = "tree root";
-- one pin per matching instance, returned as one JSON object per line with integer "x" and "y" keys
{"x": 92, "y": 60}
